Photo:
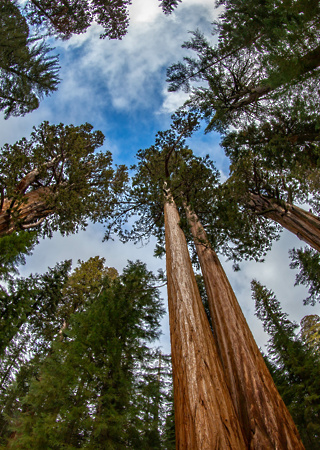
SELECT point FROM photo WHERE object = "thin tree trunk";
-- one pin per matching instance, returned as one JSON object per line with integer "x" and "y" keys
{"x": 263, "y": 415}
{"x": 204, "y": 414}
{"x": 305, "y": 225}
{"x": 29, "y": 213}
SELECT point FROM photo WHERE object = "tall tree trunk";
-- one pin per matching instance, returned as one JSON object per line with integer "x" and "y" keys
{"x": 28, "y": 214}
{"x": 302, "y": 223}
{"x": 263, "y": 415}
{"x": 204, "y": 413}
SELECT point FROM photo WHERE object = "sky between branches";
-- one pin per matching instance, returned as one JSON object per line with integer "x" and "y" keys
{"x": 119, "y": 87}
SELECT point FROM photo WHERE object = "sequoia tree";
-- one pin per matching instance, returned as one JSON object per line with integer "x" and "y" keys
{"x": 169, "y": 166}
{"x": 56, "y": 181}
{"x": 262, "y": 413}
{"x": 204, "y": 413}
{"x": 264, "y": 417}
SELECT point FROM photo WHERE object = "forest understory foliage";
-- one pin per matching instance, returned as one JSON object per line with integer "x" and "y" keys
{"x": 79, "y": 366}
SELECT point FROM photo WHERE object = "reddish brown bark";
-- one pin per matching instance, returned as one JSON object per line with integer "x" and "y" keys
{"x": 28, "y": 213}
{"x": 204, "y": 413}
{"x": 305, "y": 225}
{"x": 263, "y": 415}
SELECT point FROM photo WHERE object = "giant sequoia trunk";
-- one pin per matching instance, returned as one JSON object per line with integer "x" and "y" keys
{"x": 302, "y": 223}
{"x": 204, "y": 413}
{"x": 262, "y": 413}
{"x": 29, "y": 213}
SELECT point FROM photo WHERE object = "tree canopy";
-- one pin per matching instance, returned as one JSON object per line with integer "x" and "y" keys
{"x": 249, "y": 72}
{"x": 56, "y": 181}
{"x": 308, "y": 262}
{"x": 96, "y": 382}
{"x": 63, "y": 18}
{"x": 27, "y": 70}
{"x": 195, "y": 180}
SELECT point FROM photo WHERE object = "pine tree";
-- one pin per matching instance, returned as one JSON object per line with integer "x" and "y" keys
{"x": 96, "y": 381}
{"x": 27, "y": 71}
{"x": 295, "y": 367}
{"x": 310, "y": 331}
{"x": 308, "y": 261}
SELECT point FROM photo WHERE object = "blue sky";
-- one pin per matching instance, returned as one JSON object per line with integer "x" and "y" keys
{"x": 119, "y": 87}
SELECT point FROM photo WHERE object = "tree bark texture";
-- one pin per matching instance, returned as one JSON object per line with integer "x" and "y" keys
{"x": 28, "y": 213}
{"x": 305, "y": 225}
{"x": 204, "y": 413}
{"x": 262, "y": 413}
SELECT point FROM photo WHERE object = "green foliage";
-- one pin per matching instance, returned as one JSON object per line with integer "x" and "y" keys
{"x": 168, "y": 6}
{"x": 310, "y": 332}
{"x": 267, "y": 54}
{"x": 65, "y": 18}
{"x": 27, "y": 72}
{"x": 308, "y": 261}
{"x": 98, "y": 384}
{"x": 293, "y": 364}
{"x": 75, "y": 183}
{"x": 279, "y": 158}
{"x": 171, "y": 164}
{"x": 154, "y": 171}
{"x": 13, "y": 250}
{"x": 33, "y": 300}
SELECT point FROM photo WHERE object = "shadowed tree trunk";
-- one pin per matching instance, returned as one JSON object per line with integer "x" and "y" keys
{"x": 305, "y": 225}
{"x": 204, "y": 413}
{"x": 263, "y": 415}
{"x": 32, "y": 210}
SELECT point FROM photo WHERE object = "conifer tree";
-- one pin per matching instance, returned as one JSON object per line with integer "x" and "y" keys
{"x": 63, "y": 18}
{"x": 56, "y": 181}
{"x": 153, "y": 197}
{"x": 310, "y": 331}
{"x": 13, "y": 251}
{"x": 96, "y": 380}
{"x": 27, "y": 71}
{"x": 294, "y": 365}
{"x": 273, "y": 58}
{"x": 170, "y": 163}
{"x": 264, "y": 417}
{"x": 308, "y": 261}
{"x": 274, "y": 168}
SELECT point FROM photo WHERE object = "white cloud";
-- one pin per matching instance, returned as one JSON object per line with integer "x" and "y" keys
{"x": 101, "y": 77}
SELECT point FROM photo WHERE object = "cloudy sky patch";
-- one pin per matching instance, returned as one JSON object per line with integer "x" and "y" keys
{"x": 119, "y": 87}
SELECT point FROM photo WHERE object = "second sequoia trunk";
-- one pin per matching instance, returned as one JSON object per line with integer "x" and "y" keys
{"x": 262, "y": 413}
{"x": 305, "y": 225}
{"x": 204, "y": 414}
